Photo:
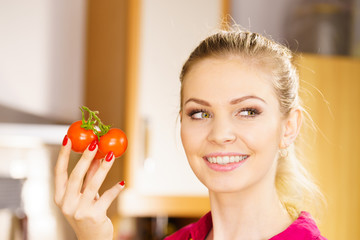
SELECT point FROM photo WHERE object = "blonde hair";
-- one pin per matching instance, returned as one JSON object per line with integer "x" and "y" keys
{"x": 295, "y": 187}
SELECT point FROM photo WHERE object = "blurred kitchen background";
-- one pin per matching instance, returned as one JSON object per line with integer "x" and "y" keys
{"x": 123, "y": 58}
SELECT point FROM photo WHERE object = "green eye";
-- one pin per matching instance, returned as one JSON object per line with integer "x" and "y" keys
{"x": 205, "y": 115}
{"x": 249, "y": 112}
{"x": 199, "y": 114}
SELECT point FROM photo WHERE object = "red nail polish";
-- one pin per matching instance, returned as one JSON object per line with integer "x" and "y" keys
{"x": 109, "y": 156}
{"x": 122, "y": 183}
{"x": 66, "y": 138}
{"x": 93, "y": 144}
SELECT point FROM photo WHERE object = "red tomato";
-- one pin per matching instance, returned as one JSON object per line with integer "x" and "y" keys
{"x": 114, "y": 140}
{"x": 80, "y": 137}
{"x": 99, "y": 155}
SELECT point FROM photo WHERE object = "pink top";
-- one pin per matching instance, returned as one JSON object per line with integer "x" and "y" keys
{"x": 303, "y": 228}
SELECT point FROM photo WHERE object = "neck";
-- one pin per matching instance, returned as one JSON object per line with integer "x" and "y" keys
{"x": 247, "y": 214}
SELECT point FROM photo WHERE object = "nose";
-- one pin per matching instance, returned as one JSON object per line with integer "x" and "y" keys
{"x": 222, "y": 131}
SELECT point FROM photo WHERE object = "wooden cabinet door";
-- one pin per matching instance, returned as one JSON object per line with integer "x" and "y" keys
{"x": 157, "y": 173}
{"x": 331, "y": 94}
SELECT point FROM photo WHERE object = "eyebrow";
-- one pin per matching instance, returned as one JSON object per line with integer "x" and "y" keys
{"x": 232, "y": 102}
{"x": 199, "y": 101}
{"x": 241, "y": 99}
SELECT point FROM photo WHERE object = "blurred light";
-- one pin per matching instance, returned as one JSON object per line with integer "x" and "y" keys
{"x": 18, "y": 168}
{"x": 31, "y": 135}
{"x": 149, "y": 165}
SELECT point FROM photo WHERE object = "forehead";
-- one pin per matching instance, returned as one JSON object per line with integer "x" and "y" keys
{"x": 222, "y": 79}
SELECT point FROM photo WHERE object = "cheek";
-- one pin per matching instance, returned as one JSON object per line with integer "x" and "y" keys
{"x": 262, "y": 137}
{"x": 189, "y": 137}
{"x": 184, "y": 136}
{"x": 193, "y": 137}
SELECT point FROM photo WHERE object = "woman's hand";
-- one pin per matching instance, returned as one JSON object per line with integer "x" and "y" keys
{"x": 78, "y": 198}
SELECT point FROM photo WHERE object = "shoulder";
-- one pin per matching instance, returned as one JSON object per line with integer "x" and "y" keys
{"x": 303, "y": 228}
{"x": 197, "y": 230}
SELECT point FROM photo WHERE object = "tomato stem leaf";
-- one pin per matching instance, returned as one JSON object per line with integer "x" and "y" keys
{"x": 93, "y": 122}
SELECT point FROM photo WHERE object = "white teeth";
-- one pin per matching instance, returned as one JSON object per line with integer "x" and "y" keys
{"x": 226, "y": 159}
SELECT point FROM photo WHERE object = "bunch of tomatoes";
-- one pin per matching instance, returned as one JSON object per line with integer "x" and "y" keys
{"x": 83, "y": 132}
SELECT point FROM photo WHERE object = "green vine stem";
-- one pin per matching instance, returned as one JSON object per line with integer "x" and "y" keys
{"x": 93, "y": 122}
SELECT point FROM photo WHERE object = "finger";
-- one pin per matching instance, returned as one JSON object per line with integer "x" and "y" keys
{"x": 61, "y": 175}
{"x": 97, "y": 197}
{"x": 109, "y": 196}
{"x": 94, "y": 166}
{"x": 96, "y": 181}
{"x": 77, "y": 175}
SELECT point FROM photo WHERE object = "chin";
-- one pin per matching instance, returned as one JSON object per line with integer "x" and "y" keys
{"x": 224, "y": 184}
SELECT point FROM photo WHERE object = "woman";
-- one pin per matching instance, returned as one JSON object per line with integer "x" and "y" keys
{"x": 240, "y": 115}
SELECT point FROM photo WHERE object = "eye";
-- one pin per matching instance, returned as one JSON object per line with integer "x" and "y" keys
{"x": 199, "y": 114}
{"x": 249, "y": 112}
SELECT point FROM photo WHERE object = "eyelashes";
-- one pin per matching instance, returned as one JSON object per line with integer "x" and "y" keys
{"x": 200, "y": 114}
{"x": 249, "y": 112}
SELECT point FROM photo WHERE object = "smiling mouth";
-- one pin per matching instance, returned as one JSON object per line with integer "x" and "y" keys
{"x": 223, "y": 160}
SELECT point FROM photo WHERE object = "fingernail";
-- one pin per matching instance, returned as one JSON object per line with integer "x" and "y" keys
{"x": 93, "y": 144}
{"x": 109, "y": 156}
{"x": 65, "y": 140}
{"x": 122, "y": 183}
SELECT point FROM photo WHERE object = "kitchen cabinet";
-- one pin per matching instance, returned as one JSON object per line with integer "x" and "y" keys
{"x": 42, "y": 58}
{"x": 158, "y": 178}
{"x": 28, "y": 154}
{"x": 331, "y": 94}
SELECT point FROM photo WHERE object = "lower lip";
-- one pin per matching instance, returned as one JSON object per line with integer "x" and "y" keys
{"x": 225, "y": 167}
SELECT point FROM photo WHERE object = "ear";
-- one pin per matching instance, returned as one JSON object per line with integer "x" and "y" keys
{"x": 291, "y": 128}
